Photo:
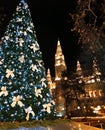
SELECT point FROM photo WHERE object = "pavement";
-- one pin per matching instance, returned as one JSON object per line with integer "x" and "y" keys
{"x": 66, "y": 126}
{"x": 57, "y": 127}
{"x": 38, "y": 128}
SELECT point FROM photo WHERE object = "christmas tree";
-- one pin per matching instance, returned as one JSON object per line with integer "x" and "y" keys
{"x": 24, "y": 93}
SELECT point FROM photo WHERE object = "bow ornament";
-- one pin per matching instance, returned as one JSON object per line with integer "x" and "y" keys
{"x": 9, "y": 73}
{"x": 43, "y": 82}
{"x": 47, "y": 107}
{"x": 29, "y": 111}
{"x": 3, "y": 91}
{"x": 38, "y": 92}
{"x": 16, "y": 100}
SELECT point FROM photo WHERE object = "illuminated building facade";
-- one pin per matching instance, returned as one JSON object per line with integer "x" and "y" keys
{"x": 55, "y": 85}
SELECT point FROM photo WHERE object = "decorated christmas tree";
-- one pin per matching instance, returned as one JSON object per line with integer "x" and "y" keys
{"x": 24, "y": 93}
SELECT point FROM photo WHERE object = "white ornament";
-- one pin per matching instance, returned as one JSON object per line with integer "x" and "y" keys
{"x": 21, "y": 32}
{"x": 47, "y": 107}
{"x": 36, "y": 43}
{"x": 20, "y": 73}
{"x": 31, "y": 84}
{"x": 39, "y": 103}
{"x": 19, "y": 20}
{"x": 9, "y": 73}
{"x": 21, "y": 59}
{"x": 6, "y": 37}
{"x": 21, "y": 41}
{"x": 1, "y": 62}
{"x": 40, "y": 62}
{"x": 10, "y": 83}
{"x": 29, "y": 111}
{"x": 43, "y": 82}
{"x": 3, "y": 91}
{"x": 38, "y": 92}
{"x": 31, "y": 24}
{"x": 19, "y": 66}
{"x": 44, "y": 99}
{"x": 34, "y": 47}
{"x": 17, "y": 8}
{"x": 53, "y": 102}
{"x": 16, "y": 100}
{"x": 34, "y": 67}
{"x": 28, "y": 29}
{"x": 26, "y": 6}
{"x": 25, "y": 33}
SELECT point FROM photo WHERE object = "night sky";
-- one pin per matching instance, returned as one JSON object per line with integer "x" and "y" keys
{"x": 52, "y": 22}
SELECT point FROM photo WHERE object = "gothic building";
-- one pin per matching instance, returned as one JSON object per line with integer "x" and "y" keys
{"x": 55, "y": 83}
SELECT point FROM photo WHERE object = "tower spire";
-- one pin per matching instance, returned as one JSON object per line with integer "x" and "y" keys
{"x": 79, "y": 72}
{"x": 60, "y": 65}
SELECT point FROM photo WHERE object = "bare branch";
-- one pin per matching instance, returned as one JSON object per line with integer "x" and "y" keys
{"x": 89, "y": 9}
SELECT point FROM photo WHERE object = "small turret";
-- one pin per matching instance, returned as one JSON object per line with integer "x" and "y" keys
{"x": 96, "y": 71}
{"x": 51, "y": 85}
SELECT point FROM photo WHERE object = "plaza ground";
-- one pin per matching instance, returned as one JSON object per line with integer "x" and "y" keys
{"x": 75, "y": 123}
{"x": 69, "y": 126}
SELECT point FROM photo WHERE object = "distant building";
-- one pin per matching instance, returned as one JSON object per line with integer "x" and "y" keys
{"x": 55, "y": 82}
{"x": 57, "y": 91}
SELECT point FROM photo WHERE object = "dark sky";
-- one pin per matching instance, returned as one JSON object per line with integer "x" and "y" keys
{"x": 52, "y": 21}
